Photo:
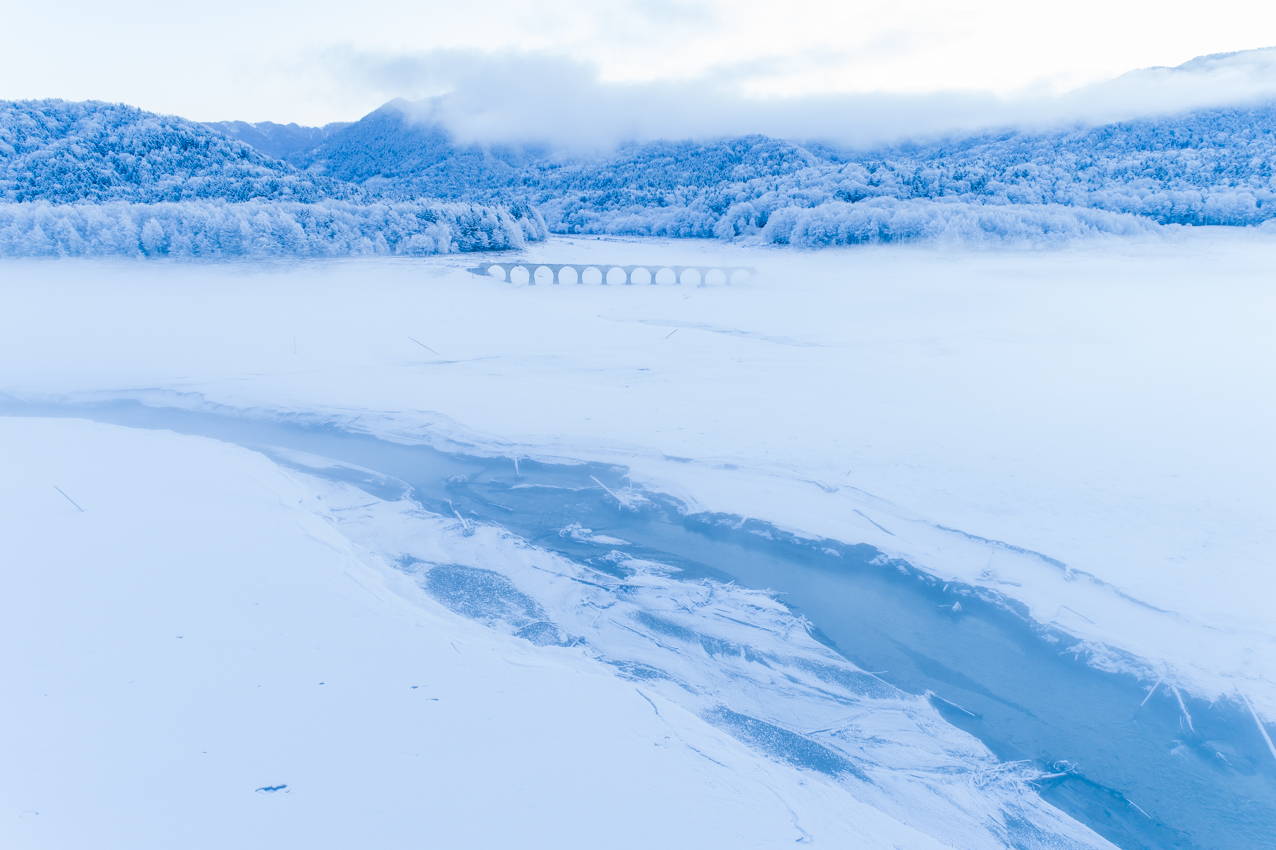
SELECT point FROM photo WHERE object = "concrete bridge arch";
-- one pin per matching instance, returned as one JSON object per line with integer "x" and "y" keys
{"x": 617, "y": 275}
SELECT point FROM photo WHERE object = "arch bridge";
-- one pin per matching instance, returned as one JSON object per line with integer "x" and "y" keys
{"x": 612, "y": 274}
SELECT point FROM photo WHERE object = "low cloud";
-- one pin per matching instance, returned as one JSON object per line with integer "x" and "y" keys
{"x": 522, "y": 97}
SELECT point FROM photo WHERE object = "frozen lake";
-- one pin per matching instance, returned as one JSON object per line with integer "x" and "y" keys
{"x": 1034, "y": 484}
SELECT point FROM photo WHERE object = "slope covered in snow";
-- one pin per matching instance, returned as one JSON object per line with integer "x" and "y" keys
{"x": 1210, "y": 166}
{"x": 277, "y": 140}
{"x": 90, "y": 152}
{"x": 388, "y": 150}
{"x": 1207, "y": 167}
{"x": 97, "y": 179}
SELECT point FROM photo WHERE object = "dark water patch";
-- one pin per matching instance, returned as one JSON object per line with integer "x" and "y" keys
{"x": 1135, "y": 770}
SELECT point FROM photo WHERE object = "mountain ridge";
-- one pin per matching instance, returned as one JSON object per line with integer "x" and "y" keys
{"x": 91, "y": 151}
{"x": 1208, "y": 166}
{"x": 277, "y": 140}
{"x": 1214, "y": 166}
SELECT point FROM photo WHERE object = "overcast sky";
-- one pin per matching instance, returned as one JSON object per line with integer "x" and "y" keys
{"x": 321, "y": 61}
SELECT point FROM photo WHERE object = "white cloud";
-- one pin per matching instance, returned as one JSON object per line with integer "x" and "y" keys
{"x": 508, "y": 96}
{"x": 258, "y": 61}
{"x": 1216, "y": 80}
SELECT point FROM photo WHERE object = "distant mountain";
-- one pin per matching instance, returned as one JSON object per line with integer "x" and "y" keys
{"x": 391, "y": 151}
{"x": 1207, "y": 167}
{"x": 1214, "y": 166}
{"x": 399, "y": 149}
{"x": 280, "y": 141}
{"x": 63, "y": 152}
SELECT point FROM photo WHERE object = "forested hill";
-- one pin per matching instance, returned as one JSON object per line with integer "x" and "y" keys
{"x": 62, "y": 152}
{"x": 1211, "y": 166}
{"x": 1207, "y": 167}
{"x": 396, "y": 153}
{"x": 388, "y": 151}
{"x": 278, "y": 140}
{"x": 97, "y": 179}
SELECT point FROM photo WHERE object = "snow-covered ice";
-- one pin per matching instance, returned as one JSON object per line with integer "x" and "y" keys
{"x": 201, "y": 651}
{"x": 197, "y": 635}
{"x": 1108, "y": 406}
{"x": 1083, "y": 430}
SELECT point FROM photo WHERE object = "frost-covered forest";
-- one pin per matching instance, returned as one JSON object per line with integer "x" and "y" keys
{"x": 89, "y": 178}
{"x": 261, "y": 229}
{"x": 1212, "y": 167}
{"x": 1207, "y": 167}
{"x": 92, "y": 179}
{"x": 95, "y": 152}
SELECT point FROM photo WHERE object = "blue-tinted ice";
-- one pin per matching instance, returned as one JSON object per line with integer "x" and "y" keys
{"x": 1132, "y": 767}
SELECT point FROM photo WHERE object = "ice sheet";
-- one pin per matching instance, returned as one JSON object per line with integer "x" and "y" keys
{"x": 1084, "y": 429}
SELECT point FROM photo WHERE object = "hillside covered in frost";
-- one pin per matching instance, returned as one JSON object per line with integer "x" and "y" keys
{"x": 1207, "y": 167}
{"x": 65, "y": 153}
{"x": 89, "y": 179}
{"x": 1211, "y": 167}
{"x": 392, "y": 182}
